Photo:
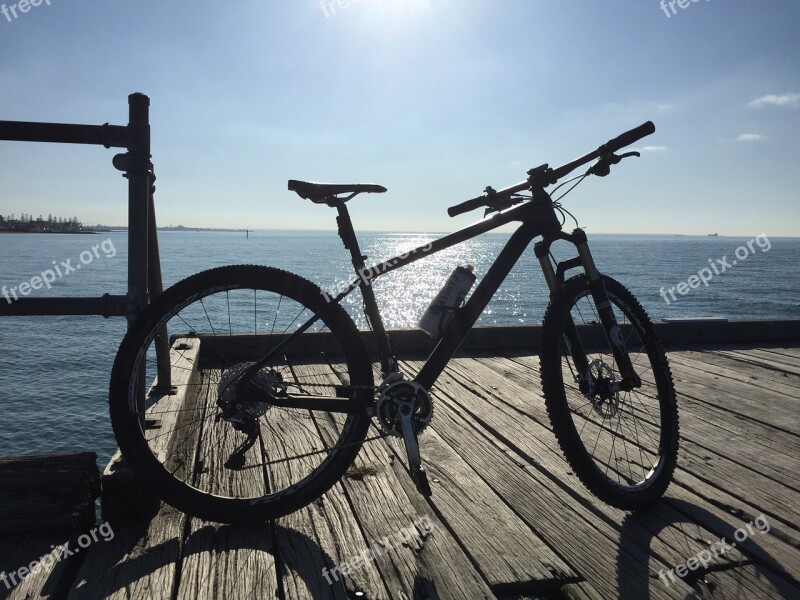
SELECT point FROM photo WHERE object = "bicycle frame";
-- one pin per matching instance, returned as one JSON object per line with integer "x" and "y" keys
{"x": 537, "y": 217}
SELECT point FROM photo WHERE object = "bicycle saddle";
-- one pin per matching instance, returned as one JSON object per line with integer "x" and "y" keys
{"x": 321, "y": 193}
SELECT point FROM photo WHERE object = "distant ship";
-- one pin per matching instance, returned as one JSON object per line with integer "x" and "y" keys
{"x": 713, "y": 235}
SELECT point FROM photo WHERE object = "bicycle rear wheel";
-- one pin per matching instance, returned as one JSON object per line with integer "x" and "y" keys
{"x": 622, "y": 445}
{"x": 188, "y": 442}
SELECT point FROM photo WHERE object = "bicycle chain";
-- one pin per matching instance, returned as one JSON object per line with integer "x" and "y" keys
{"x": 380, "y": 436}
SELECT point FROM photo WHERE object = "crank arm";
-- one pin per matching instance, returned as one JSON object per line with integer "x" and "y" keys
{"x": 411, "y": 442}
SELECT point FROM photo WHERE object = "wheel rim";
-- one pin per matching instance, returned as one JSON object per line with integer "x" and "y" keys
{"x": 623, "y": 434}
{"x": 215, "y": 332}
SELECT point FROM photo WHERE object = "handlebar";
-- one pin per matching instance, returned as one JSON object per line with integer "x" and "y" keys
{"x": 467, "y": 206}
{"x": 545, "y": 176}
{"x": 630, "y": 137}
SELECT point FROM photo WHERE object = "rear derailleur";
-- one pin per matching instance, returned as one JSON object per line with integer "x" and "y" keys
{"x": 240, "y": 407}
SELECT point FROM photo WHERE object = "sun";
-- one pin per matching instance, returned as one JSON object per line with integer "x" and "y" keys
{"x": 381, "y": 12}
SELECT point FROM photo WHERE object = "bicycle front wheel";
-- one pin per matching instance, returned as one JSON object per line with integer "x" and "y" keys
{"x": 622, "y": 445}
{"x": 207, "y": 448}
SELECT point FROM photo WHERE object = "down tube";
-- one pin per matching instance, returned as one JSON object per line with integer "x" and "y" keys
{"x": 466, "y": 316}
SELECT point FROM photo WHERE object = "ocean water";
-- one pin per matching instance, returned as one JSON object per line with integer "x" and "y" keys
{"x": 54, "y": 370}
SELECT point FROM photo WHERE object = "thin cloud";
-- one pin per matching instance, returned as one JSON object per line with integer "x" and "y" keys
{"x": 654, "y": 149}
{"x": 749, "y": 137}
{"x": 785, "y": 101}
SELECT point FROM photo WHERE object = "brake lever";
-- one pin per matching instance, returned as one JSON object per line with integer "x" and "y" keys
{"x": 502, "y": 204}
{"x": 603, "y": 166}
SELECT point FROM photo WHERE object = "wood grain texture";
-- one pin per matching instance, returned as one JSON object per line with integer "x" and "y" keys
{"x": 508, "y": 519}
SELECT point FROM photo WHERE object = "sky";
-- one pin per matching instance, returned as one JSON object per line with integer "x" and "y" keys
{"x": 433, "y": 99}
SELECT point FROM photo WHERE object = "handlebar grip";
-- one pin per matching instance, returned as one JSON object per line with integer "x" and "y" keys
{"x": 629, "y": 137}
{"x": 467, "y": 206}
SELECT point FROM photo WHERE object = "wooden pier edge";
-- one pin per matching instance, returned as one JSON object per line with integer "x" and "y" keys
{"x": 670, "y": 331}
{"x": 529, "y": 337}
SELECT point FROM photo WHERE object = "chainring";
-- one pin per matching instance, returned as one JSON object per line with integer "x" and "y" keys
{"x": 387, "y": 410}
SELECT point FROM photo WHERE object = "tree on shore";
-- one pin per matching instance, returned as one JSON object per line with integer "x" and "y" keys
{"x": 26, "y": 222}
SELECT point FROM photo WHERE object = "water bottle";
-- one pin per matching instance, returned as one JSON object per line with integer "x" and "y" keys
{"x": 442, "y": 308}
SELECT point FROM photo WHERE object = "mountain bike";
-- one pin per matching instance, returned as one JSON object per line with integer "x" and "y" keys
{"x": 274, "y": 390}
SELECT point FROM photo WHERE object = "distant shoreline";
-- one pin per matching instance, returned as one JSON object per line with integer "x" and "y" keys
{"x": 66, "y": 232}
{"x": 125, "y": 229}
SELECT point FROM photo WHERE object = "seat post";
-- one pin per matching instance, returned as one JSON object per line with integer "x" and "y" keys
{"x": 388, "y": 361}
{"x": 348, "y": 235}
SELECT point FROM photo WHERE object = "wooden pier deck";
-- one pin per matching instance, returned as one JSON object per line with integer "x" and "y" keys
{"x": 507, "y": 518}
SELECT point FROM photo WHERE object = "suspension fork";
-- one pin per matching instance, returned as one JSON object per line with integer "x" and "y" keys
{"x": 571, "y": 337}
{"x": 630, "y": 379}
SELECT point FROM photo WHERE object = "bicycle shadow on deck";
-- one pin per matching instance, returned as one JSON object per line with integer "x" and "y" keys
{"x": 243, "y": 560}
{"x": 639, "y": 529}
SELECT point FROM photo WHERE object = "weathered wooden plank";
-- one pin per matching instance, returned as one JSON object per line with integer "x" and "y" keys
{"x": 746, "y": 388}
{"x": 417, "y": 555}
{"x": 428, "y": 563}
{"x": 713, "y": 361}
{"x": 784, "y": 366}
{"x": 48, "y": 491}
{"x": 52, "y": 569}
{"x": 789, "y": 351}
{"x": 522, "y": 440}
{"x": 306, "y": 541}
{"x": 228, "y": 561}
{"x": 582, "y": 590}
{"x": 776, "y": 547}
{"x": 712, "y": 462}
{"x": 142, "y": 559}
{"x": 224, "y": 561}
{"x": 569, "y": 524}
{"x": 752, "y": 407}
{"x": 745, "y": 581}
{"x": 170, "y": 419}
{"x": 701, "y": 423}
{"x": 466, "y": 501}
{"x": 633, "y": 468}
{"x": 714, "y": 454}
{"x": 469, "y": 505}
{"x": 329, "y": 521}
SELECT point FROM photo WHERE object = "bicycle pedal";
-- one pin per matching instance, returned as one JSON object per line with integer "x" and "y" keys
{"x": 420, "y": 478}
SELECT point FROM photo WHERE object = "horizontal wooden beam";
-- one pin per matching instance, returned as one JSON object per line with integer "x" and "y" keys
{"x": 48, "y": 491}
{"x": 507, "y": 337}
